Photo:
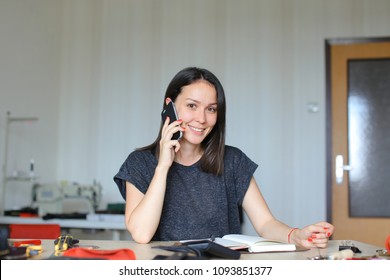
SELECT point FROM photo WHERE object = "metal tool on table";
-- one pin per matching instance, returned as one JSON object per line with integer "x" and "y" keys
{"x": 63, "y": 243}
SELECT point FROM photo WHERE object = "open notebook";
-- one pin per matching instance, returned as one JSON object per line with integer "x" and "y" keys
{"x": 253, "y": 244}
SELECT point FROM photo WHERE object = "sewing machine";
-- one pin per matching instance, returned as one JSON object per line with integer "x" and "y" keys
{"x": 64, "y": 198}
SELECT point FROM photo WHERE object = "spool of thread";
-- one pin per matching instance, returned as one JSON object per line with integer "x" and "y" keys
{"x": 342, "y": 255}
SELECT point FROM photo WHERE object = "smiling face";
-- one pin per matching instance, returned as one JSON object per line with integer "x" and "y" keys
{"x": 196, "y": 105}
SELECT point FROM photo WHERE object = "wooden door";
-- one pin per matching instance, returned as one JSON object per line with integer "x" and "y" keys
{"x": 358, "y": 137}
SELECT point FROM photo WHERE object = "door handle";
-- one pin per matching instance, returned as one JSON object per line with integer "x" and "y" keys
{"x": 340, "y": 168}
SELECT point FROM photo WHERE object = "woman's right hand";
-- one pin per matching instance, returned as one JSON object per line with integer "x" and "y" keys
{"x": 169, "y": 147}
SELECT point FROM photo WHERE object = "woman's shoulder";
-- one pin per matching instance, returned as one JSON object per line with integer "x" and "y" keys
{"x": 232, "y": 151}
{"x": 235, "y": 155}
{"x": 141, "y": 155}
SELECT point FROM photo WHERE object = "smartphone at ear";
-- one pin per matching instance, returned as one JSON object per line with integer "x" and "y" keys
{"x": 170, "y": 111}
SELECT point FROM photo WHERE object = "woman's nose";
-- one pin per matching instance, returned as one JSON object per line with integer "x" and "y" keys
{"x": 201, "y": 116}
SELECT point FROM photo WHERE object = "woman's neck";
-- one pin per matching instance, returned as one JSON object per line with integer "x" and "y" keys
{"x": 188, "y": 154}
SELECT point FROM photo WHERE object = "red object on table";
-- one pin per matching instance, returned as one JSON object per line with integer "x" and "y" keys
{"x": 28, "y": 242}
{"x": 85, "y": 253}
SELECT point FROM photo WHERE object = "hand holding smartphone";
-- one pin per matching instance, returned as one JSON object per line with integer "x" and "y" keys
{"x": 170, "y": 111}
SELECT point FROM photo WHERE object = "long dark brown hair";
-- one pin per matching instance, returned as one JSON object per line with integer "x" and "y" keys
{"x": 214, "y": 144}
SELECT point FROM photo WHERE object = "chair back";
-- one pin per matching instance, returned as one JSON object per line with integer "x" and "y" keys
{"x": 34, "y": 231}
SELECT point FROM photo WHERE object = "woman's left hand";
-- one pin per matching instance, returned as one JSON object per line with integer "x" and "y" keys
{"x": 316, "y": 235}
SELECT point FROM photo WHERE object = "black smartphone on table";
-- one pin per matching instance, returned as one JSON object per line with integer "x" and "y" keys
{"x": 170, "y": 111}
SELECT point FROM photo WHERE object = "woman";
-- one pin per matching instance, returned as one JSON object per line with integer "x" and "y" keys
{"x": 196, "y": 187}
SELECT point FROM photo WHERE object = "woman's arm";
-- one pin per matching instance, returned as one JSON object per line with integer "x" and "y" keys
{"x": 260, "y": 215}
{"x": 265, "y": 224}
{"x": 143, "y": 211}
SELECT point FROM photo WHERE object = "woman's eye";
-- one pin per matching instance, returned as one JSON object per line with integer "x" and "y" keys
{"x": 212, "y": 109}
{"x": 192, "y": 106}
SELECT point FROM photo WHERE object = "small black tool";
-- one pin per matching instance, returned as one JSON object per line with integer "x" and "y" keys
{"x": 353, "y": 248}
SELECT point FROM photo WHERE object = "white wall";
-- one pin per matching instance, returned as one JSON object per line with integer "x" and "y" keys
{"x": 95, "y": 72}
{"x": 30, "y": 42}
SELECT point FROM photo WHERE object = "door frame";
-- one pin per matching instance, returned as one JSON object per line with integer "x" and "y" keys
{"x": 329, "y": 155}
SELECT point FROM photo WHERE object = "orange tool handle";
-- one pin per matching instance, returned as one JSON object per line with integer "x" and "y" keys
{"x": 28, "y": 242}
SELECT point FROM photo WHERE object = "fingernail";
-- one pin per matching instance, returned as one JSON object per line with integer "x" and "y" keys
{"x": 326, "y": 228}
{"x": 313, "y": 236}
{"x": 310, "y": 239}
{"x": 328, "y": 234}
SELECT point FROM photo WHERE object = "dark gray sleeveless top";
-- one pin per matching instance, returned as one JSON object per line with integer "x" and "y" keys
{"x": 197, "y": 204}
